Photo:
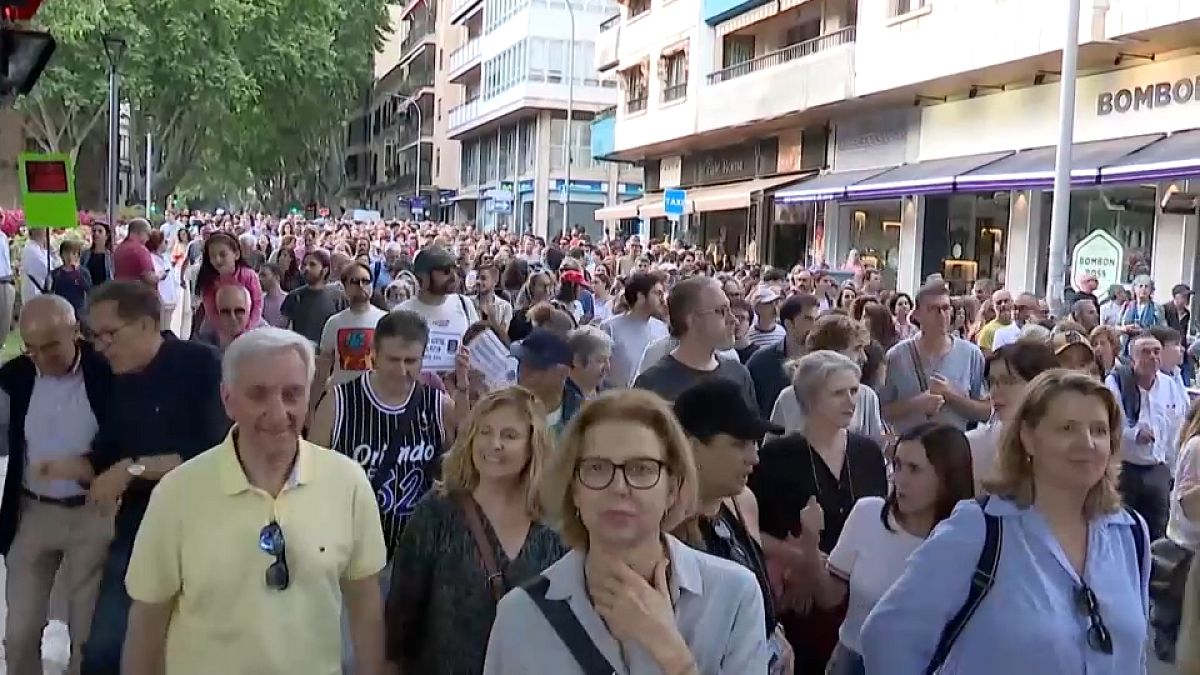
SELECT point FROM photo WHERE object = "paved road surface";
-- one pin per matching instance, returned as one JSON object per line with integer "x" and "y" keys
{"x": 56, "y": 643}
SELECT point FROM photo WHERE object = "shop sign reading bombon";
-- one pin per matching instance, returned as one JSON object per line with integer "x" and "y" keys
{"x": 1148, "y": 97}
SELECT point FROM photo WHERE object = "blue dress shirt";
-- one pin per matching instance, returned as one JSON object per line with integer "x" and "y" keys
{"x": 1029, "y": 623}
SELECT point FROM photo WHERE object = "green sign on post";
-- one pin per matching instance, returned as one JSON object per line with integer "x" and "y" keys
{"x": 47, "y": 190}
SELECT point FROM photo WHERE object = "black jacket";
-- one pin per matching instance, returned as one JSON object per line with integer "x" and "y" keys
{"x": 16, "y": 379}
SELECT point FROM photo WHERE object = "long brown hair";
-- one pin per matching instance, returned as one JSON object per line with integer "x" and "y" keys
{"x": 947, "y": 449}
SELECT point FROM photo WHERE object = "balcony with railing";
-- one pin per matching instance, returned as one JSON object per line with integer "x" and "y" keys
{"x": 636, "y": 102}
{"x": 462, "y": 114}
{"x": 420, "y": 35}
{"x": 788, "y": 54}
{"x": 461, "y": 10}
{"x": 607, "y": 41}
{"x": 799, "y": 77}
{"x": 464, "y": 59}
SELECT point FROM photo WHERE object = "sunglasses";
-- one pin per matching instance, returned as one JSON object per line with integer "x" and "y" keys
{"x": 271, "y": 542}
{"x": 1098, "y": 637}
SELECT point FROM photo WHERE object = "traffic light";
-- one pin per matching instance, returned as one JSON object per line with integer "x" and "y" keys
{"x": 23, "y": 53}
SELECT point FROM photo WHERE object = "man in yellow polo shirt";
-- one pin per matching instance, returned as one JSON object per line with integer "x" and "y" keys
{"x": 248, "y": 552}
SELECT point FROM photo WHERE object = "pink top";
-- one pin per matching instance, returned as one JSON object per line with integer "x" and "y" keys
{"x": 248, "y": 278}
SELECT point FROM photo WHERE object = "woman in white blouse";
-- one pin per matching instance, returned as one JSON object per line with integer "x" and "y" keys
{"x": 931, "y": 473}
{"x": 1007, "y": 371}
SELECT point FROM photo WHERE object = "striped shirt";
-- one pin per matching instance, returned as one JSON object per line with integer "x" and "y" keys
{"x": 364, "y": 428}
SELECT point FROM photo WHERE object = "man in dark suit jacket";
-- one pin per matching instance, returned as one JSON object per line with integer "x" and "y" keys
{"x": 58, "y": 394}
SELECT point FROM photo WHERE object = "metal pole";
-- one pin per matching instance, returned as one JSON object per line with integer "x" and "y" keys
{"x": 416, "y": 107}
{"x": 149, "y": 167}
{"x": 566, "y": 195}
{"x": 114, "y": 142}
{"x": 1061, "y": 214}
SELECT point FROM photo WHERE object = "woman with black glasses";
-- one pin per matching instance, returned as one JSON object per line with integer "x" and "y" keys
{"x": 628, "y": 597}
{"x": 1059, "y": 583}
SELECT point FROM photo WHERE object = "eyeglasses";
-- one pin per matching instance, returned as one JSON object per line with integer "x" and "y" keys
{"x": 358, "y": 282}
{"x": 106, "y": 337}
{"x": 271, "y": 542}
{"x": 1098, "y": 637}
{"x": 598, "y": 473}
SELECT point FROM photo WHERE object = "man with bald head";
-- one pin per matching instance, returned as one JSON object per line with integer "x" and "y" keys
{"x": 1025, "y": 309}
{"x": 233, "y": 316}
{"x": 59, "y": 392}
{"x": 1086, "y": 314}
{"x": 1002, "y": 301}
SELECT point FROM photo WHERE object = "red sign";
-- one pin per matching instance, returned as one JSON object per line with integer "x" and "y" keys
{"x": 46, "y": 177}
{"x": 19, "y": 10}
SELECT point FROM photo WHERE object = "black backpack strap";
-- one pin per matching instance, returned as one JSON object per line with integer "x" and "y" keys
{"x": 572, "y": 633}
{"x": 981, "y": 583}
{"x": 1139, "y": 541}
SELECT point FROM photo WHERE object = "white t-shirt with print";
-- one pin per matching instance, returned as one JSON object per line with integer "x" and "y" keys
{"x": 871, "y": 559}
{"x": 447, "y": 324}
{"x": 349, "y": 337}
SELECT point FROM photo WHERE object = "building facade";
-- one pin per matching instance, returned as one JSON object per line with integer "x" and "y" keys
{"x": 513, "y": 69}
{"x": 399, "y": 159}
{"x": 917, "y": 134}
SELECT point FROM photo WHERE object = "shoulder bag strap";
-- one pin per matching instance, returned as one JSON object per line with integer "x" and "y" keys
{"x": 393, "y": 448}
{"x": 495, "y": 578}
{"x": 1139, "y": 542}
{"x": 572, "y": 633}
{"x": 981, "y": 583}
{"x": 918, "y": 367}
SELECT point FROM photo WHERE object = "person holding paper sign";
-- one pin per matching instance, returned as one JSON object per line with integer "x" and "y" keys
{"x": 447, "y": 313}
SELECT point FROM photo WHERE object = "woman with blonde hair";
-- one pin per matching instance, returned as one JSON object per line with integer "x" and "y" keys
{"x": 477, "y": 534}
{"x": 628, "y": 597}
{"x": 1052, "y": 544}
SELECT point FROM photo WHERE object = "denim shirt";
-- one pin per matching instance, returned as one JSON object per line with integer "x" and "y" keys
{"x": 1029, "y": 623}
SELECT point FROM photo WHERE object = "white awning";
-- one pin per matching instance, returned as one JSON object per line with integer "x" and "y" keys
{"x": 620, "y": 211}
{"x": 728, "y": 197}
{"x": 760, "y": 13}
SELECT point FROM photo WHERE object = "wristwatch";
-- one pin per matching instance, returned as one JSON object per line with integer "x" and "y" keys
{"x": 136, "y": 469}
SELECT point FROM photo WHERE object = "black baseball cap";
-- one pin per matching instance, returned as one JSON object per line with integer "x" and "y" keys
{"x": 433, "y": 258}
{"x": 717, "y": 405}
{"x": 543, "y": 349}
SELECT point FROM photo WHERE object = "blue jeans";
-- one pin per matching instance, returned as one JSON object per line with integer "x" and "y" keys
{"x": 845, "y": 661}
{"x": 102, "y": 651}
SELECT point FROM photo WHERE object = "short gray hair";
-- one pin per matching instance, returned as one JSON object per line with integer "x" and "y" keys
{"x": 262, "y": 341}
{"x": 814, "y": 369}
{"x": 587, "y": 341}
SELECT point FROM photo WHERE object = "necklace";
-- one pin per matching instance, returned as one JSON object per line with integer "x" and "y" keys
{"x": 813, "y": 457}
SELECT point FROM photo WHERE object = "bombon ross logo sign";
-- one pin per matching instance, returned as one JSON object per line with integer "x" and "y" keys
{"x": 1148, "y": 97}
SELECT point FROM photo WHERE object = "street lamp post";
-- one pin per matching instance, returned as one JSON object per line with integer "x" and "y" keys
{"x": 1061, "y": 212}
{"x": 149, "y": 163}
{"x": 114, "y": 50}
{"x": 566, "y": 193}
{"x": 411, "y": 104}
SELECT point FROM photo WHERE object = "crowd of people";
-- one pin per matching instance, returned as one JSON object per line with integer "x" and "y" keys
{"x": 249, "y": 444}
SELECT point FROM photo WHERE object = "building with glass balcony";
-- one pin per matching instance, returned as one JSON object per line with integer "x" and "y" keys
{"x": 512, "y": 66}
{"x": 917, "y": 134}
{"x": 400, "y": 160}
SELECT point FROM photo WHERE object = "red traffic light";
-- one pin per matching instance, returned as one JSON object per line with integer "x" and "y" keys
{"x": 19, "y": 10}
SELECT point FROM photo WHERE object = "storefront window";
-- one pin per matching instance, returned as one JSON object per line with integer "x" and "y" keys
{"x": 874, "y": 234}
{"x": 1126, "y": 213}
{"x": 797, "y": 235}
{"x": 977, "y": 240}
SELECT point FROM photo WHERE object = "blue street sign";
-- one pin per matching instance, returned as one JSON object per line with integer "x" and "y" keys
{"x": 674, "y": 202}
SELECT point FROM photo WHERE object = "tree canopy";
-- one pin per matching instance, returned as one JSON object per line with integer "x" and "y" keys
{"x": 235, "y": 92}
